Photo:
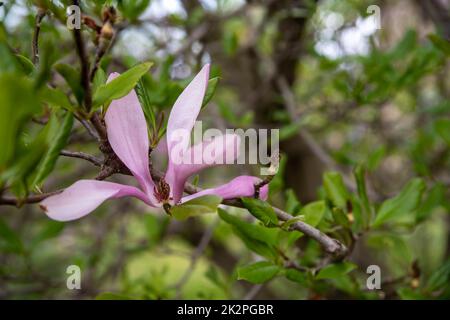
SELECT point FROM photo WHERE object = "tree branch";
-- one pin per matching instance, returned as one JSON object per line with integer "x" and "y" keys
{"x": 81, "y": 155}
{"x": 37, "y": 28}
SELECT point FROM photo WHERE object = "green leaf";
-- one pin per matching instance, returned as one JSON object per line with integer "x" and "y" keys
{"x": 201, "y": 205}
{"x": 258, "y": 272}
{"x": 402, "y": 204}
{"x": 211, "y": 89}
{"x": 19, "y": 174}
{"x": 120, "y": 86}
{"x": 17, "y": 105}
{"x": 313, "y": 212}
{"x": 296, "y": 276}
{"x": 72, "y": 77}
{"x": 340, "y": 217}
{"x": 293, "y": 205}
{"x": 253, "y": 231}
{"x": 335, "y": 189}
{"x": 56, "y": 98}
{"x": 56, "y": 145}
{"x": 99, "y": 79}
{"x": 335, "y": 270}
{"x": 27, "y": 65}
{"x": 144, "y": 99}
{"x": 261, "y": 210}
{"x": 434, "y": 198}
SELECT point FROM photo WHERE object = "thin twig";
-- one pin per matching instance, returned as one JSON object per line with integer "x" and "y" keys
{"x": 81, "y": 155}
{"x": 37, "y": 28}
{"x": 332, "y": 246}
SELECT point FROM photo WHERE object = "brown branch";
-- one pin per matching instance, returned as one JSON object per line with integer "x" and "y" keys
{"x": 332, "y": 246}
{"x": 81, "y": 155}
{"x": 13, "y": 201}
{"x": 85, "y": 80}
{"x": 37, "y": 28}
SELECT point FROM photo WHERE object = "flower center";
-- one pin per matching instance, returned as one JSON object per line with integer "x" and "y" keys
{"x": 162, "y": 190}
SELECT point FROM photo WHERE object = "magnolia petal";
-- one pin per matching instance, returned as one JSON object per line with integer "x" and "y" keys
{"x": 186, "y": 109}
{"x": 219, "y": 150}
{"x": 84, "y": 196}
{"x": 127, "y": 134}
{"x": 242, "y": 186}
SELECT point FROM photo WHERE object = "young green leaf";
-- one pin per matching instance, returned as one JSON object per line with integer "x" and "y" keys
{"x": 313, "y": 212}
{"x": 195, "y": 207}
{"x": 120, "y": 86}
{"x": 251, "y": 230}
{"x": 335, "y": 189}
{"x": 402, "y": 204}
{"x": 212, "y": 86}
{"x": 261, "y": 210}
{"x": 258, "y": 272}
{"x": 72, "y": 77}
{"x": 48, "y": 162}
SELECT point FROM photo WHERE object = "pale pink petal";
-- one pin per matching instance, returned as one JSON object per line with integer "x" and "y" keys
{"x": 219, "y": 150}
{"x": 242, "y": 186}
{"x": 185, "y": 111}
{"x": 127, "y": 134}
{"x": 84, "y": 196}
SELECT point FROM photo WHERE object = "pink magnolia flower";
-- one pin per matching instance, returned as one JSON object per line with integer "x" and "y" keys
{"x": 127, "y": 134}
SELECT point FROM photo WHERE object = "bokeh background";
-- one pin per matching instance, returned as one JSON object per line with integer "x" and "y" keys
{"x": 345, "y": 88}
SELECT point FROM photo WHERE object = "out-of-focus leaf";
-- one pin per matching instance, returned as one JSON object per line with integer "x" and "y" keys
{"x": 27, "y": 65}
{"x": 201, "y": 205}
{"x": 56, "y": 145}
{"x": 9, "y": 240}
{"x": 440, "y": 43}
{"x": 132, "y": 9}
{"x": 366, "y": 209}
{"x": 258, "y": 272}
{"x": 434, "y": 198}
{"x": 72, "y": 77}
{"x": 17, "y": 104}
{"x": 120, "y": 86}
{"x": 440, "y": 279}
{"x": 443, "y": 129}
{"x": 261, "y": 210}
{"x": 50, "y": 230}
{"x": 336, "y": 270}
{"x": 402, "y": 204}
{"x": 293, "y": 205}
{"x": 340, "y": 217}
{"x": 19, "y": 174}
{"x": 335, "y": 189}
{"x": 212, "y": 86}
{"x": 56, "y": 98}
{"x": 296, "y": 276}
